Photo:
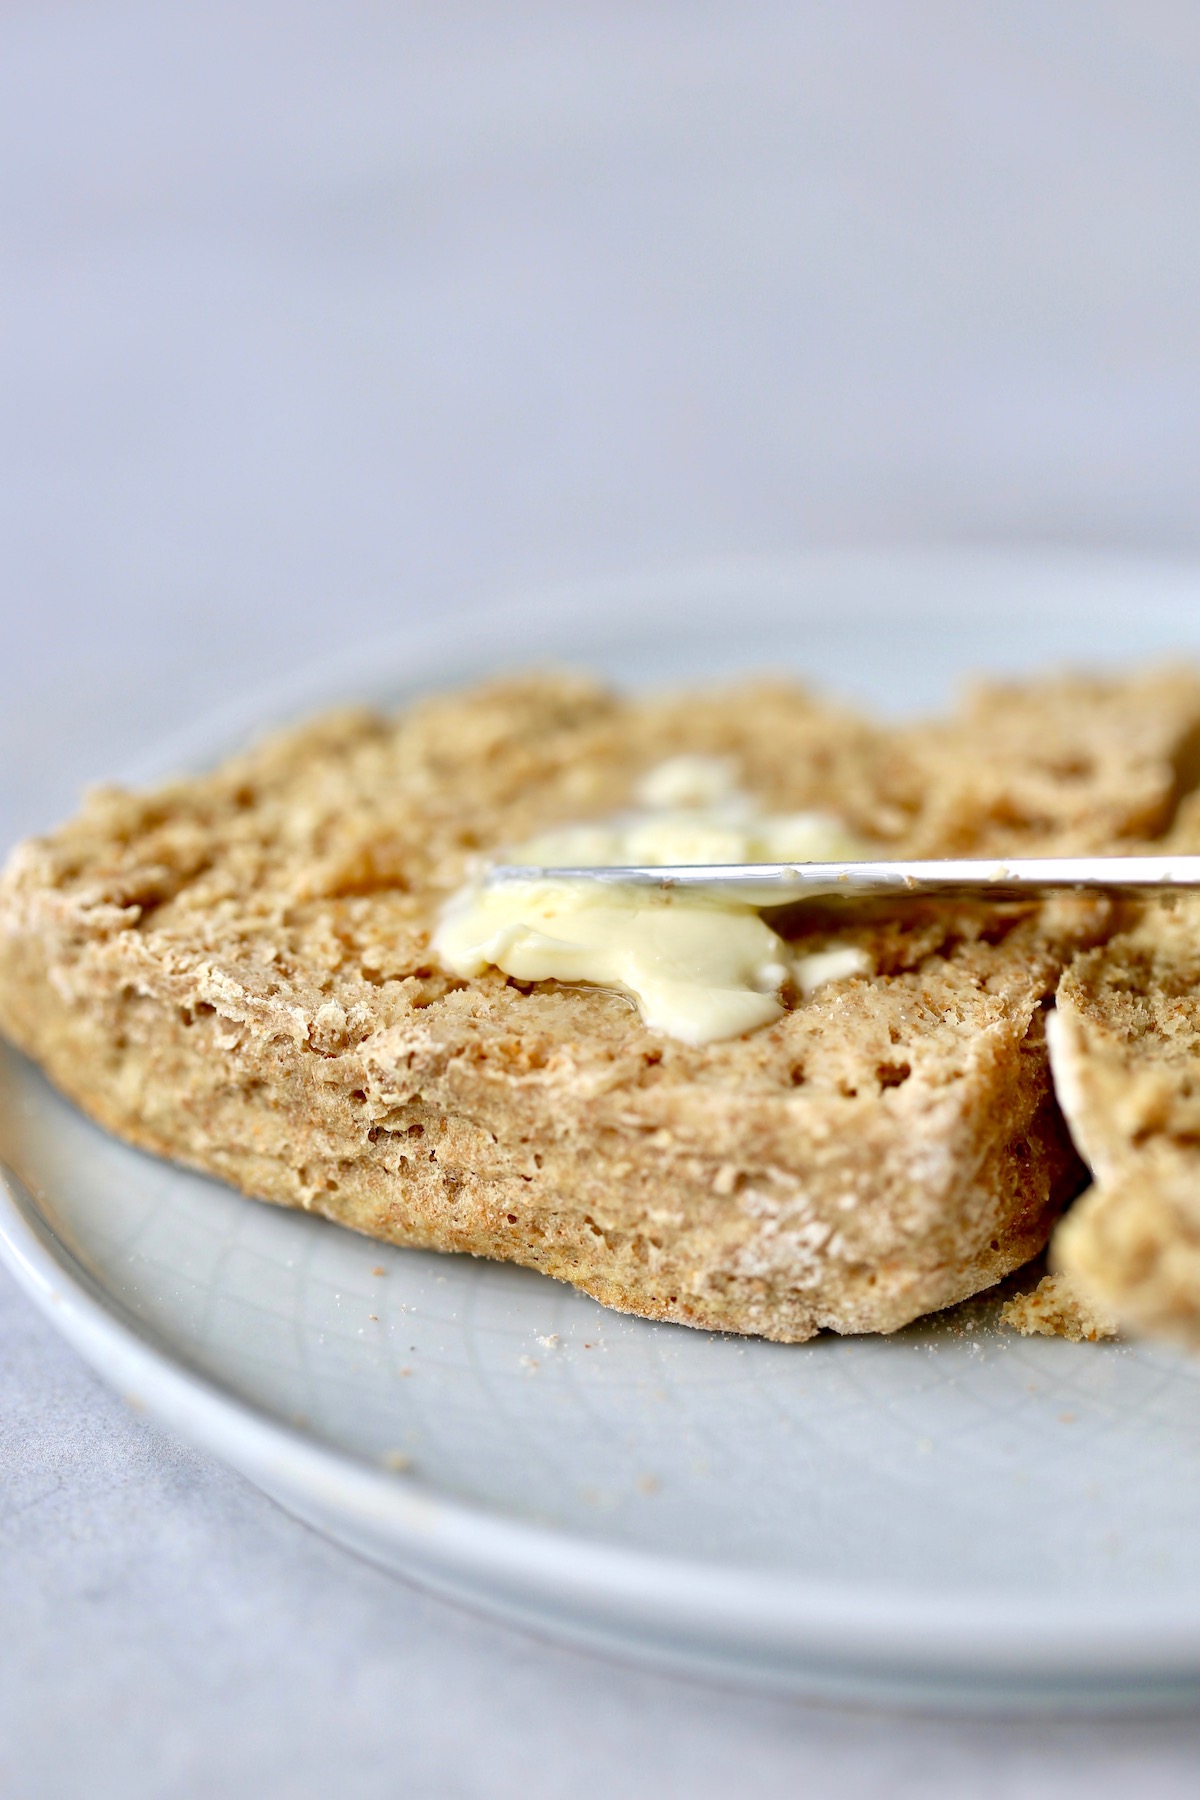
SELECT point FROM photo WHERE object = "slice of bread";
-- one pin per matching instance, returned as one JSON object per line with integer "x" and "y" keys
{"x": 1127, "y": 1064}
{"x": 1063, "y": 766}
{"x": 234, "y": 970}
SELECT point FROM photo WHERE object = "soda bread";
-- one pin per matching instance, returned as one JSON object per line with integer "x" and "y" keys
{"x": 1127, "y": 1062}
{"x": 234, "y": 970}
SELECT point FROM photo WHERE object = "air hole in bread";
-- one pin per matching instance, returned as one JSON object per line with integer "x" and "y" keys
{"x": 1070, "y": 768}
{"x": 201, "y": 1010}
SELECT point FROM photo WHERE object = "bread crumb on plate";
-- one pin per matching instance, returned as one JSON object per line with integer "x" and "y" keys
{"x": 1057, "y": 1308}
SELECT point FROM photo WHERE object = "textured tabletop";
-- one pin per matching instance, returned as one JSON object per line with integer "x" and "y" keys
{"x": 316, "y": 317}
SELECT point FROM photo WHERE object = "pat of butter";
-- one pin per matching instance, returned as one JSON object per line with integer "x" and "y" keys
{"x": 697, "y": 972}
{"x": 699, "y": 968}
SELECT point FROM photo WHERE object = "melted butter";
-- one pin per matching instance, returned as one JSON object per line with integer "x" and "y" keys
{"x": 699, "y": 968}
{"x": 697, "y": 972}
{"x": 820, "y": 966}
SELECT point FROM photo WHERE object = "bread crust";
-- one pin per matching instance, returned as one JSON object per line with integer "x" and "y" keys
{"x": 234, "y": 971}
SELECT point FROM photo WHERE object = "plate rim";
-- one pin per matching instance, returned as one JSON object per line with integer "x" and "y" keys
{"x": 1106, "y": 1640}
{"x": 699, "y": 587}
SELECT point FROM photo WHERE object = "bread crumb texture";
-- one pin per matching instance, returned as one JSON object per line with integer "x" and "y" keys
{"x": 234, "y": 971}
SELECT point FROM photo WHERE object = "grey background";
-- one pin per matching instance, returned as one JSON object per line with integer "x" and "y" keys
{"x": 316, "y": 317}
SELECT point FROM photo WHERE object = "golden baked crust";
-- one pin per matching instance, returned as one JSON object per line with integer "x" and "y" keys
{"x": 234, "y": 971}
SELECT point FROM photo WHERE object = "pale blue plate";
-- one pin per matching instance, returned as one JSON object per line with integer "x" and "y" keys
{"x": 954, "y": 1515}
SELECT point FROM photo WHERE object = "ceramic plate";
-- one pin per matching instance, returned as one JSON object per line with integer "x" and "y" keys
{"x": 953, "y": 1514}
